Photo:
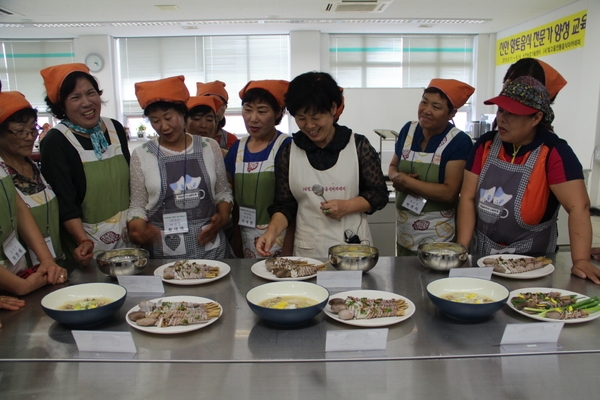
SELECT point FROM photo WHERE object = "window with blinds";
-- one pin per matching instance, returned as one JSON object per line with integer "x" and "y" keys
{"x": 399, "y": 61}
{"x": 234, "y": 60}
{"x": 22, "y": 61}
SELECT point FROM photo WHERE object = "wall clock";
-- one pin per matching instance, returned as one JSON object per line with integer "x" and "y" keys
{"x": 94, "y": 62}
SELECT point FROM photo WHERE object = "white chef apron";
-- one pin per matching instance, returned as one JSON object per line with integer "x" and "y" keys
{"x": 315, "y": 232}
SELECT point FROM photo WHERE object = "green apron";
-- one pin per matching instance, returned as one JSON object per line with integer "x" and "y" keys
{"x": 254, "y": 188}
{"x": 8, "y": 220}
{"x": 107, "y": 194}
{"x": 436, "y": 222}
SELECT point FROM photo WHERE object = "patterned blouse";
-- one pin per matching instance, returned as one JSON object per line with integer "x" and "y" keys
{"x": 371, "y": 183}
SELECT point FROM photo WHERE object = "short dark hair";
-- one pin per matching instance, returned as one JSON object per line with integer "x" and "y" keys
{"x": 263, "y": 96}
{"x": 21, "y": 116}
{"x": 58, "y": 109}
{"x": 314, "y": 92}
{"x": 200, "y": 110}
{"x": 525, "y": 67}
{"x": 442, "y": 95}
{"x": 164, "y": 106}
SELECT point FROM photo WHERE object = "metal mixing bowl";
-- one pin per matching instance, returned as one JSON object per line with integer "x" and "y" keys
{"x": 442, "y": 256}
{"x": 122, "y": 261}
{"x": 353, "y": 257}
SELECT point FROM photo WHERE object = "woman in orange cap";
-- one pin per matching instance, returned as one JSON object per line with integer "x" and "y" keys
{"x": 85, "y": 160}
{"x": 516, "y": 179}
{"x": 250, "y": 163}
{"x": 18, "y": 131}
{"x": 327, "y": 179}
{"x": 427, "y": 167}
{"x": 217, "y": 89}
{"x": 180, "y": 196}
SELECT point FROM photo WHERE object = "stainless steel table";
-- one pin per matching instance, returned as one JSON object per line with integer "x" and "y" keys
{"x": 240, "y": 356}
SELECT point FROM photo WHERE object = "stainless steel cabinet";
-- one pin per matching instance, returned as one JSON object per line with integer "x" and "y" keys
{"x": 383, "y": 229}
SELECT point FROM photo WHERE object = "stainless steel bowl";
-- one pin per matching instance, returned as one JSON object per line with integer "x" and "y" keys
{"x": 353, "y": 257}
{"x": 122, "y": 261}
{"x": 442, "y": 256}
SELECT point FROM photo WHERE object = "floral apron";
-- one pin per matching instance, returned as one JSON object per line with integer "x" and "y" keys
{"x": 316, "y": 233}
{"x": 107, "y": 194}
{"x": 185, "y": 187}
{"x": 436, "y": 222}
{"x": 254, "y": 183}
{"x": 500, "y": 227}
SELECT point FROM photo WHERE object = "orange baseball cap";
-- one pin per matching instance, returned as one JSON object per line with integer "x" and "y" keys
{"x": 458, "y": 92}
{"x": 215, "y": 88}
{"x": 55, "y": 75}
{"x": 554, "y": 81}
{"x": 213, "y": 102}
{"x": 171, "y": 90}
{"x": 10, "y": 103}
{"x": 276, "y": 87}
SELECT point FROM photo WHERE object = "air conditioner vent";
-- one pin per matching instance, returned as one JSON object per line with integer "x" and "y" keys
{"x": 369, "y": 6}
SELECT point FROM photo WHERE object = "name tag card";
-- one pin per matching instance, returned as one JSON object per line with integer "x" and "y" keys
{"x": 356, "y": 340}
{"x": 101, "y": 344}
{"x": 142, "y": 285}
{"x": 482, "y": 273}
{"x": 340, "y": 279}
{"x": 532, "y": 336}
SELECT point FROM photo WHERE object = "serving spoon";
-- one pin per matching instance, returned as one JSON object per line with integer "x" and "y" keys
{"x": 318, "y": 190}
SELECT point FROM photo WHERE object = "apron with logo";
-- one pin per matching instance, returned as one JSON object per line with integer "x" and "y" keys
{"x": 436, "y": 222}
{"x": 185, "y": 188}
{"x": 315, "y": 232}
{"x": 107, "y": 194}
{"x": 44, "y": 208}
{"x": 500, "y": 227}
{"x": 254, "y": 188}
{"x": 8, "y": 221}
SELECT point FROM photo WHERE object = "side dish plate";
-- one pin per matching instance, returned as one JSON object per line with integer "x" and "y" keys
{"x": 174, "y": 329}
{"x": 374, "y": 322}
{"x": 260, "y": 269}
{"x": 533, "y": 274}
{"x": 224, "y": 269}
{"x": 515, "y": 293}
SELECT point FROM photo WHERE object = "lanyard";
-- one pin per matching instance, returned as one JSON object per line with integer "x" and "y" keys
{"x": 184, "y": 168}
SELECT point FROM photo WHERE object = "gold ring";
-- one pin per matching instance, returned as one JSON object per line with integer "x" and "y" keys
{"x": 62, "y": 276}
{"x": 1, "y": 298}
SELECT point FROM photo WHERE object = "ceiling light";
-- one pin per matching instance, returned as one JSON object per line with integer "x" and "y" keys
{"x": 167, "y": 7}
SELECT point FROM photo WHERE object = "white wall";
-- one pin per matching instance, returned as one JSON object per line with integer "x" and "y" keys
{"x": 577, "y": 105}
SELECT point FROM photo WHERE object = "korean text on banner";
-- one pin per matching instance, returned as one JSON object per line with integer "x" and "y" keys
{"x": 564, "y": 34}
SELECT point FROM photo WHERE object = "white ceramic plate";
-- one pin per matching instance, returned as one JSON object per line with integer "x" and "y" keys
{"x": 260, "y": 269}
{"x": 174, "y": 329}
{"x": 373, "y": 322}
{"x": 515, "y": 293}
{"x": 536, "y": 273}
{"x": 223, "y": 270}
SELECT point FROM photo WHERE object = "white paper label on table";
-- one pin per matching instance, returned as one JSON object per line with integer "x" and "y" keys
{"x": 138, "y": 285}
{"x": 104, "y": 342}
{"x": 531, "y": 335}
{"x": 482, "y": 273}
{"x": 356, "y": 340}
{"x": 340, "y": 279}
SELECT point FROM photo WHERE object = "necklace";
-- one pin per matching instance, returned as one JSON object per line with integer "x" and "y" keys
{"x": 514, "y": 154}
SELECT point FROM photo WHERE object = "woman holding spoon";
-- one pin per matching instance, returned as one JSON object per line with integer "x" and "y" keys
{"x": 327, "y": 179}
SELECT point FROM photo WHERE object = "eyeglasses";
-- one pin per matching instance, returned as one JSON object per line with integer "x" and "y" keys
{"x": 22, "y": 134}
